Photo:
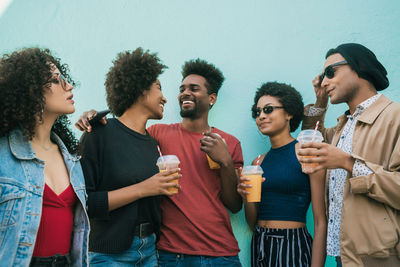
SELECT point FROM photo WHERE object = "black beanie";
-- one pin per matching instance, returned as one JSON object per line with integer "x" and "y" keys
{"x": 364, "y": 62}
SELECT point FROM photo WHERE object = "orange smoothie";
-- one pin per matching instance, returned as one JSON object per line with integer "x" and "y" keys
{"x": 255, "y": 190}
{"x": 172, "y": 189}
{"x": 212, "y": 164}
{"x": 308, "y": 166}
{"x": 169, "y": 162}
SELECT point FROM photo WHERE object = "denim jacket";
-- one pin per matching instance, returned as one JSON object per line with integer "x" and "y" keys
{"x": 21, "y": 195}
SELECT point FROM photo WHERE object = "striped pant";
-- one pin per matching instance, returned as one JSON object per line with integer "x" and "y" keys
{"x": 281, "y": 247}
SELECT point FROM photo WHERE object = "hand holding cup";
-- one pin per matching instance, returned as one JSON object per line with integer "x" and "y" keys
{"x": 250, "y": 183}
{"x": 169, "y": 162}
{"x": 305, "y": 137}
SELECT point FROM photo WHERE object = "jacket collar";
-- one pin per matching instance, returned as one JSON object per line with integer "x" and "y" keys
{"x": 22, "y": 149}
{"x": 372, "y": 112}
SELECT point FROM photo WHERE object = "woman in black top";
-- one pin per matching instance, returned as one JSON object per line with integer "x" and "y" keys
{"x": 119, "y": 164}
{"x": 280, "y": 236}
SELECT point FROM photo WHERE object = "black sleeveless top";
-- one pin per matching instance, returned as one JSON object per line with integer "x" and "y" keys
{"x": 286, "y": 193}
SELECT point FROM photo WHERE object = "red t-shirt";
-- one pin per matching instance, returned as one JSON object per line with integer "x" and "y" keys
{"x": 56, "y": 223}
{"x": 195, "y": 221}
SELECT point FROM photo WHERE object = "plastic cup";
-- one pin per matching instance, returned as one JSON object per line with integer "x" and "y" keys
{"x": 254, "y": 172}
{"x": 307, "y": 136}
{"x": 169, "y": 162}
{"x": 212, "y": 164}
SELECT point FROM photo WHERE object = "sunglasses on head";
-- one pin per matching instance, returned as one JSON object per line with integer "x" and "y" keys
{"x": 268, "y": 109}
{"x": 330, "y": 71}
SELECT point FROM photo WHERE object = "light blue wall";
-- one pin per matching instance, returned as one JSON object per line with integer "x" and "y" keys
{"x": 251, "y": 41}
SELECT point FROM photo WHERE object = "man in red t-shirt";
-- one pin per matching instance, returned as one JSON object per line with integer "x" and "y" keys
{"x": 195, "y": 223}
{"x": 196, "y": 229}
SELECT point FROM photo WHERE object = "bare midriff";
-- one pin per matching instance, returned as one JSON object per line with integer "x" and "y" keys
{"x": 280, "y": 224}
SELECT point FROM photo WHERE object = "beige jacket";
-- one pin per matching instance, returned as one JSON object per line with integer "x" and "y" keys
{"x": 370, "y": 222}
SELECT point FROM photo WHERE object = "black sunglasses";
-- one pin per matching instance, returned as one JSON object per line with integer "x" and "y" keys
{"x": 256, "y": 112}
{"x": 330, "y": 71}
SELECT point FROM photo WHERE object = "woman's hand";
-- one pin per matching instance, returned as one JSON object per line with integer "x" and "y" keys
{"x": 242, "y": 186}
{"x": 159, "y": 183}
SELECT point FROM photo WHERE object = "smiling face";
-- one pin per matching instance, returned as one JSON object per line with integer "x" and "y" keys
{"x": 154, "y": 100}
{"x": 275, "y": 122}
{"x": 58, "y": 97}
{"x": 344, "y": 85}
{"x": 193, "y": 97}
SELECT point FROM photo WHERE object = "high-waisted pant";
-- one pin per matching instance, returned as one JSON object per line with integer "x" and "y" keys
{"x": 281, "y": 247}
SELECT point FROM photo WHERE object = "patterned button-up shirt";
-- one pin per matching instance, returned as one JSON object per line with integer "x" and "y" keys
{"x": 337, "y": 177}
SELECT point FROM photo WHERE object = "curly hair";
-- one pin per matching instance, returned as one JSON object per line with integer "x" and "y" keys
{"x": 289, "y": 97}
{"x": 25, "y": 75}
{"x": 212, "y": 74}
{"x": 132, "y": 74}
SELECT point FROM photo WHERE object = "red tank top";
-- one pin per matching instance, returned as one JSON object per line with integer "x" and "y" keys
{"x": 55, "y": 229}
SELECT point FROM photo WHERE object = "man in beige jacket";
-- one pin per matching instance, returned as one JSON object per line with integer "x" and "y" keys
{"x": 362, "y": 154}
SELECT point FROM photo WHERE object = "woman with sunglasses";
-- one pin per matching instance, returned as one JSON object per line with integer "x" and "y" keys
{"x": 42, "y": 201}
{"x": 280, "y": 236}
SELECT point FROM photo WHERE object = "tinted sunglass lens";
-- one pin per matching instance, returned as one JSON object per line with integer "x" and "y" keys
{"x": 256, "y": 112}
{"x": 268, "y": 109}
{"x": 329, "y": 72}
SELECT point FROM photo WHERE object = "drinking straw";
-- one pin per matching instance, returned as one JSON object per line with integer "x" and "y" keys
{"x": 161, "y": 156}
{"x": 315, "y": 131}
{"x": 258, "y": 160}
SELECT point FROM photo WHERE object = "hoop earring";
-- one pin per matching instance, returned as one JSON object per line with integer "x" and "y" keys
{"x": 41, "y": 116}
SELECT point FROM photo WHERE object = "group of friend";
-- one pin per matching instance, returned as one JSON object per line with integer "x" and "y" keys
{"x": 102, "y": 201}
